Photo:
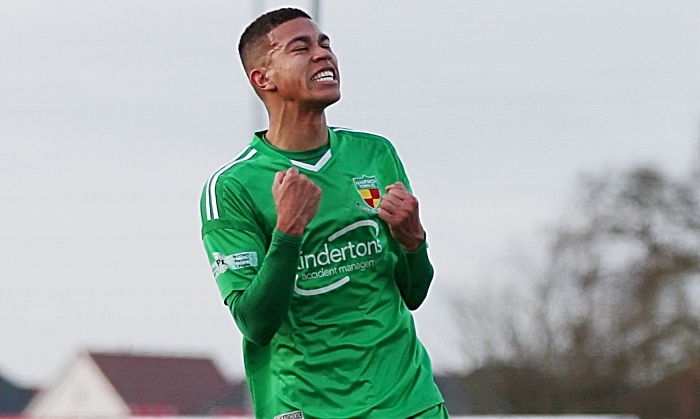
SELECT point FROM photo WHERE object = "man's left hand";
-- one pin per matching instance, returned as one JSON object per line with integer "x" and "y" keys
{"x": 400, "y": 210}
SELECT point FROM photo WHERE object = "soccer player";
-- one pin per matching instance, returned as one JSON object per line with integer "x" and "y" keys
{"x": 317, "y": 247}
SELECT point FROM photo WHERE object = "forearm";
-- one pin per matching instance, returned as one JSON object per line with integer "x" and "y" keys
{"x": 261, "y": 308}
{"x": 415, "y": 278}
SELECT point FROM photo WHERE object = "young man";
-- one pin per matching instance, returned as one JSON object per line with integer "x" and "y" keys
{"x": 316, "y": 244}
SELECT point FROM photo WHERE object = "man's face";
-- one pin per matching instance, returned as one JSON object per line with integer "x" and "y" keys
{"x": 301, "y": 64}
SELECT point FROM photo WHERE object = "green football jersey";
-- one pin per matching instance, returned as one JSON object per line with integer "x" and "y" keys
{"x": 348, "y": 347}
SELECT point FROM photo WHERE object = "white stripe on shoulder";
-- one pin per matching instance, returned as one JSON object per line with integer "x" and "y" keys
{"x": 342, "y": 129}
{"x": 212, "y": 206}
{"x": 314, "y": 167}
{"x": 208, "y": 200}
{"x": 336, "y": 129}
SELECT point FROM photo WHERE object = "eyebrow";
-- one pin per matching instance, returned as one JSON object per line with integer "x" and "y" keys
{"x": 307, "y": 39}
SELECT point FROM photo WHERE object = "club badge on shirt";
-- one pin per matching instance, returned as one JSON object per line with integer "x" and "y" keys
{"x": 368, "y": 188}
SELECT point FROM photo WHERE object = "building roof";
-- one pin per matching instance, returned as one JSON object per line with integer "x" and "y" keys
{"x": 13, "y": 398}
{"x": 163, "y": 384}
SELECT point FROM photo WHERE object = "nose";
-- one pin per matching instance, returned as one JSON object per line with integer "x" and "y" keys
{"x": 321, "y": 53}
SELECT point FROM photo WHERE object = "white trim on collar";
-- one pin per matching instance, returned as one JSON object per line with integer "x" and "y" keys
{"x": 315, "y": 167}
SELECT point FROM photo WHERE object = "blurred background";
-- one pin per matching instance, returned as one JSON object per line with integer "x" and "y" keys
{"x": 553, "y": 146}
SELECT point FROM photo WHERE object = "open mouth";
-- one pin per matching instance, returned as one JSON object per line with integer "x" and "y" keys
{"x": 325, "y": 75}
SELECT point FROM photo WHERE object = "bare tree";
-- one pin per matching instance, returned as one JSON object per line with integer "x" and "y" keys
{"x": 613, "y": 307}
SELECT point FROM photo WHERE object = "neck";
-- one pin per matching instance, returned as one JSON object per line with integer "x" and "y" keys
{"x": 297, "y": 131}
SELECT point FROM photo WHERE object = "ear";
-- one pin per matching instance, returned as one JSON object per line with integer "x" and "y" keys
{"x": 260, "y": 81}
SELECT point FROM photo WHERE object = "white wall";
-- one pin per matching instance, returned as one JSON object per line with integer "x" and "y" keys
{"x": 82, "y": 391}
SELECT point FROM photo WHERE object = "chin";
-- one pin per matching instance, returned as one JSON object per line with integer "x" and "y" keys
{"x": 333, "y": 100}
{"x": 324, "y": 102}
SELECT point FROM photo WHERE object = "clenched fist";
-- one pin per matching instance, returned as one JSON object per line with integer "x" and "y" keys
{"x": 400, "y": 210}
{"x": 296, "y": 200}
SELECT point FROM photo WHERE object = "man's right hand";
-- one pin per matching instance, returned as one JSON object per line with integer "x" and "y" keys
{"x": 296, "y": 199}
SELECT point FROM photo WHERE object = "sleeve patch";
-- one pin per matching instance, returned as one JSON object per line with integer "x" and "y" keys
{"x": 222, "y": 263}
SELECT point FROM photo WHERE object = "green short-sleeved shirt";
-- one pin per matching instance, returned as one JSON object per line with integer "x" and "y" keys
{"x": 348, "y": 347}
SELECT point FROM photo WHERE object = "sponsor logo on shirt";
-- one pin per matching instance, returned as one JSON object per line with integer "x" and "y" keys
{"x": 291, "y": 415}
{"x": 340, "y": 257}
{"x": 368, "y": 188}
{"x": 222, "y": 263}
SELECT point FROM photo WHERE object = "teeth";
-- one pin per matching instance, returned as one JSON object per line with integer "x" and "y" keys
{"x": 326, "y": 75}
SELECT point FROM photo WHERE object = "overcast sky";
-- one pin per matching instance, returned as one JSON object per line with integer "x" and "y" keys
{"x": 114, "y": 113}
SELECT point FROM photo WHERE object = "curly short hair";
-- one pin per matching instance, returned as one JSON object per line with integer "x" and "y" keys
{"x": 258, "y": 30}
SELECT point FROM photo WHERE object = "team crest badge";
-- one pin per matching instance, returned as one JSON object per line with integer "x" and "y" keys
{"x": 368, "y": 188}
